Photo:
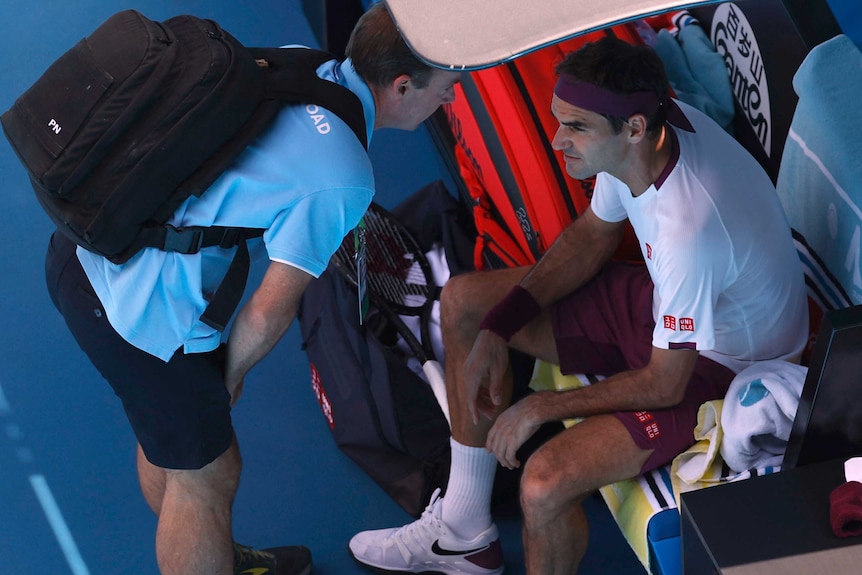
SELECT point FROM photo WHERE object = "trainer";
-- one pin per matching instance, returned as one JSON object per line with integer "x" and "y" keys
{"x": 139, "y": 322}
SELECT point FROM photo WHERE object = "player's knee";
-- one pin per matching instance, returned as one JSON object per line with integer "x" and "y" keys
{"x": 545, "y": 489}
{"x": 458, "y": 304}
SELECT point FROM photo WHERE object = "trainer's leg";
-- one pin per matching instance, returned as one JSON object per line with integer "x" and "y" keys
{"x": 194, "y": 535}
{"x": 152, "y": 480}
{"x": 557, "y": 478}
{"x": 194, "y": 507}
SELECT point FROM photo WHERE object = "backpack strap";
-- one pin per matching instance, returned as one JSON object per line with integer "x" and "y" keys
{"x": 229, "y": 293}
{"x": 190, "y": 240}
{"x": 291, "y": 76}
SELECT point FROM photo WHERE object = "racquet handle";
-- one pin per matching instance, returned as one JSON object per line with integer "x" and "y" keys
{"x": 434, "y": 373}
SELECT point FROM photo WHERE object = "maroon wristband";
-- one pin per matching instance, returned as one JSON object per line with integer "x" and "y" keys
{"x": 513, "y": 312}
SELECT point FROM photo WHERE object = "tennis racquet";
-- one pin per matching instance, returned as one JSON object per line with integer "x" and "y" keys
{"x": 399, "y": 282}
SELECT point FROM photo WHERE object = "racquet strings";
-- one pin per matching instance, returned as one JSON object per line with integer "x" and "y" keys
{"x": 394, "y": 272}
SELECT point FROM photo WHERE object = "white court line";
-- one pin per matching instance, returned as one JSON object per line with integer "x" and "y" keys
{"x": 58, "y": 524}
{"x": 5, "y": 408}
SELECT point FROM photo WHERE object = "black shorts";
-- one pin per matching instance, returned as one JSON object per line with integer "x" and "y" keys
{"x": 606, "y": 327}
{"x": 179, "y": 410}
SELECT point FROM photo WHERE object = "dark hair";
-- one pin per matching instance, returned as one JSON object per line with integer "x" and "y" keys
{"x": 379, "y": 53}
{"x": 622, "y": 68}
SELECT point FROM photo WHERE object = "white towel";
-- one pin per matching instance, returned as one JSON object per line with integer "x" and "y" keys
{"x": 440, "y": 269}
{"x": 758, "y": 413}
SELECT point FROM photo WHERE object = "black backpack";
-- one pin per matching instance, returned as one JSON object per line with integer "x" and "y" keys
{"x": 140, "y": 115}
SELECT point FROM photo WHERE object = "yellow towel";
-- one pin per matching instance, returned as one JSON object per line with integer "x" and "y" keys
{"x": 547, "y": 376}
{"x": 701, "y": 464}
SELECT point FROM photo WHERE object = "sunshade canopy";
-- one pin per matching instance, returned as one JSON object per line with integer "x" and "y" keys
{"x": 475, "y": 34}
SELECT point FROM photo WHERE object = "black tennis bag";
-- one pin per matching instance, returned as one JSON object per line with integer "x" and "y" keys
{"x": 138, "y": 116}
{"x": 383, "y": 415}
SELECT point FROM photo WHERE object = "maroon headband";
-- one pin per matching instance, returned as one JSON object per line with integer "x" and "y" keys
{"x": 596, "y": 99}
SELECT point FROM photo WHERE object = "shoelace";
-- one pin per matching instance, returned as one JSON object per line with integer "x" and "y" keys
{"x": 429, "y": 520}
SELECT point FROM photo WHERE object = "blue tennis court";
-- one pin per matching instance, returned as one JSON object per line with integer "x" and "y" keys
{"x": 68, "y": 487}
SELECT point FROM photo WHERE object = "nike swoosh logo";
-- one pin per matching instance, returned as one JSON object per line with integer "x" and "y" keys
{"x": 255, "y": 571}
{"x": 441, "y": 551}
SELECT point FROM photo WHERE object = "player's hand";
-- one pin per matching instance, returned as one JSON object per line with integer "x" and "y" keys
{"x": 511, "y": 430}
{"x": 483, "y": 374}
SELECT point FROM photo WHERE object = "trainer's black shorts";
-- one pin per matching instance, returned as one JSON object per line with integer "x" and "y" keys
{"x": 179, "y": 410}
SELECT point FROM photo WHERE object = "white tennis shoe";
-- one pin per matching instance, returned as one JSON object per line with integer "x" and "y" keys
{"x": 428, "y": 546}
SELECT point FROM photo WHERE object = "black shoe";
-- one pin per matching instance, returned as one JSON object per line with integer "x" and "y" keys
{"x": 293, "y": 560}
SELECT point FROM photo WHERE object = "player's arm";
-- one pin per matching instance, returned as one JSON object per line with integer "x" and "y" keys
{"x": 262, "y": 321}
{"x": 660, "y": 384}
{"x": 580, "y": 251}
{"x": 577, "y": 255}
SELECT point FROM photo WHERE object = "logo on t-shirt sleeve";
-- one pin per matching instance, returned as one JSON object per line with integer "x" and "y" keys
{"x": 682, "y": 324}
{"x": 679, "y": 324}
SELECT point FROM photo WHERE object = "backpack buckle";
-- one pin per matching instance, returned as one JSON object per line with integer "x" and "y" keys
{"x": 183, "y": 240}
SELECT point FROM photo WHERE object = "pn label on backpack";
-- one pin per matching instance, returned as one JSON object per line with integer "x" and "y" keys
{"x": 361, "y": 261}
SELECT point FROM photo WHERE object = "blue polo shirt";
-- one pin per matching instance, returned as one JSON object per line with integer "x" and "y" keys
{"x": 307, "y": 181}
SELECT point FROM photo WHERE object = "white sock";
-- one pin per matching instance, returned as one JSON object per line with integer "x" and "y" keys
{"x": 467, "y": 504}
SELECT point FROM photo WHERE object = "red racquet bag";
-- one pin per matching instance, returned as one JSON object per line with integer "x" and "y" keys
{"x": 502, "y": 124}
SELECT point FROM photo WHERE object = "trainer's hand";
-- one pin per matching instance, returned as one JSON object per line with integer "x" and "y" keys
{"x": 483, "y": 372}
{"x": 511, "y": 430}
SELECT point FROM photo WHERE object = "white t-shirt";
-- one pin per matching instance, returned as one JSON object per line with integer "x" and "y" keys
{"x": 718, "y": 247}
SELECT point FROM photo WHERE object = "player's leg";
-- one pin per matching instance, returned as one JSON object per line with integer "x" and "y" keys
{"x": 455, "y": 534}
{"x": 558, "y": 477}
{"x": 464, "y": 302}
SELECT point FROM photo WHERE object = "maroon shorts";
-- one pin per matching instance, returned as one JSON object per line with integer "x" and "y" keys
{"x": 606, "y": 327}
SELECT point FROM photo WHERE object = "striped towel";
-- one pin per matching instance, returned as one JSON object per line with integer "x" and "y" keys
{"x": 702, "y": 465}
